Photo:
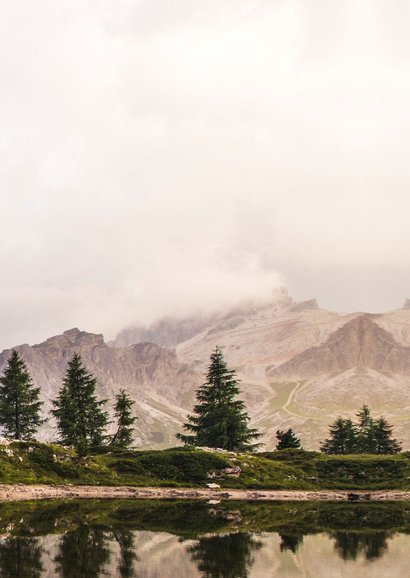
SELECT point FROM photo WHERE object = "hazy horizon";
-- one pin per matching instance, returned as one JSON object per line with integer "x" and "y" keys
{"x": 160, "y": 157}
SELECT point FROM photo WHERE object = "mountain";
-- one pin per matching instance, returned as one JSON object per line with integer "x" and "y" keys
{"x": 300, "y": 366}
{"x": 152, "y": 375}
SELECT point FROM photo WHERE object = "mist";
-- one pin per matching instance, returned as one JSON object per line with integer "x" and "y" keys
{"x": 157, "y": 158}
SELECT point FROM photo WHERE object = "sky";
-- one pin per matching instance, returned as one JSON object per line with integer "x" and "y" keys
{"x": 163, "y": 156}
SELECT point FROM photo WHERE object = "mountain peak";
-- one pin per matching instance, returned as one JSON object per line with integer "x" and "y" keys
{"x": 359, "y": 343}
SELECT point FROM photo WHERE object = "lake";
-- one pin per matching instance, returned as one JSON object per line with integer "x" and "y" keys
{"x": 189, "y": 539}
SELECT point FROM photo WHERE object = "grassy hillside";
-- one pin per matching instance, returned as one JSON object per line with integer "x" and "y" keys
{"x": 33, "y": 462}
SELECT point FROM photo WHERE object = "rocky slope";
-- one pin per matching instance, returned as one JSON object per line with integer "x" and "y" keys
{"x": 300, "y": 366}
{"x": 152, "y": 375}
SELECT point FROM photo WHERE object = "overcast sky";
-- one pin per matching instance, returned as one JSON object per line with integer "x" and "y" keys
{"x": 162, "y": 155}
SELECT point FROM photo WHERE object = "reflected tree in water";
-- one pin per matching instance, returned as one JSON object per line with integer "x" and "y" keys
{"x": 225, "y": 556}
{"x": 20, "y": 558}
{"x": 350, "y": 545}
{"x": 128, "y": 556}
{"x": 83, "y": 553}
{"x": 290, "y": 542}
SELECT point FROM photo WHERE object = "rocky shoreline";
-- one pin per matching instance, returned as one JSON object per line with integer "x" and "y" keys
{"x": 18, "y": 492}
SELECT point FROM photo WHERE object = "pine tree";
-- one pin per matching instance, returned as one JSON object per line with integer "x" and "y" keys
{"x": 365, "y": 442}
{"x": 219, "y": 419}
{"x": 368, "y": 436}
{"x": 343, "y": 438}
{"x": 19, "y": 400}
{"x": 287, "y": 440}
{"x": 384, "y": 443}
{"x": 80, "y": 420}
{"x": 122, "y": 411}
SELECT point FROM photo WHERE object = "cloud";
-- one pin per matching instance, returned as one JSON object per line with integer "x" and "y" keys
{"x": 153, "y": 159}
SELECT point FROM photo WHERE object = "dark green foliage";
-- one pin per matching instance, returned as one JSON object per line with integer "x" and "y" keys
{"x": 83, "y": 553}
{"x": 350, "y": 545}
{"x": 368, "y": 436}
{"x": 19, "y": 400}
{"x": 173, "y": 465}
{"x": 292, "y": 469}
{"x": 290, "y": 542}
{"x": 225, "y": 556}
{"x": 360, "y": 472}
{"x": 125, "y": 540}
{"x": 226, "y": 536}
{"x": 80, "y": 420}
{"x": 287, "y": 440}
{"x": 219, "y": 419}
{"x": 20, "y": 558}
{"x": 343, "y": 438}
{"x": 123, "y": 413}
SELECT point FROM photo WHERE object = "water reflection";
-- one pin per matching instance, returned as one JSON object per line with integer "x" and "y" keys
{"x": 126, "y": 539}
{"x": 290, "y": 542}
{"x": 225, "y": 556}
{"x": 128, "y": 555}
{"x": 83, "y": 553}
{"x": 21, "y": 557}
{"x": 350, "y": 545}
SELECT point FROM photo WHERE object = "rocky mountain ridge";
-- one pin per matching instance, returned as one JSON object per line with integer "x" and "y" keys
{"x": 300, "y": 366}
{"x": 151, "y": 374}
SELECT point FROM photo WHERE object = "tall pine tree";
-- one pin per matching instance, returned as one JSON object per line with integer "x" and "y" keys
{"x": 219, "y": 419}
{"x": 81, "y": 421}
{"x": 19, "y": 400}
{"x": 125, "y": 420}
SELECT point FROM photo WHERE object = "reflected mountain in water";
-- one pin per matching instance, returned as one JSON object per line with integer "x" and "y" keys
{"x": 191, "y": 539}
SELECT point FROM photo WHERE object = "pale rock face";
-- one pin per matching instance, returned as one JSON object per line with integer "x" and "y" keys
{"x": 152, "y": 375}
{"x": 300, "y": 366}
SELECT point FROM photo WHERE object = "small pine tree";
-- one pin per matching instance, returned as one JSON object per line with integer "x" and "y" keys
{"x": 342, "y": 440}
{"x": 122, "y": 411}
{"x": 287, "y": 440}
{"x": 80, "y": 420}
{"x": 19, "y": 400}
{"x": 219, "y": 419}
{"x": 383, "y": 441}
{"x": 365, "y": 441}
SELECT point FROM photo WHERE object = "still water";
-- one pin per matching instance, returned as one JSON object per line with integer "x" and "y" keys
{"x": 171, "y": 539}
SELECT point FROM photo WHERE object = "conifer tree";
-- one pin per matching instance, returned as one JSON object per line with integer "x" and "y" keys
{"x": 19, "y": 400}
{"x": 287, "y": 440}
{"x": 80, "y": 419}
{"x": 365, "y": 441}
{"x": 219, "y": 419}
{"x": 123, "y": 412}
{"x": 368, "y": 436}
{"x": 343, "y": 438}
{"x": 384, "y": 443}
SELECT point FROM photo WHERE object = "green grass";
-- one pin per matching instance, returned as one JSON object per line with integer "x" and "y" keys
{"x": 37, "y": 463}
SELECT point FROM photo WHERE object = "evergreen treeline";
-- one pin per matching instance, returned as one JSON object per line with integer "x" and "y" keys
{"x": 80, "y": 416}
{"x": 219, "y": 418}
{"x": 367, "y": 436}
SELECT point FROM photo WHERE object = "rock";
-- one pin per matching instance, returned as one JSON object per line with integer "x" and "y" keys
{"x": 233, "y": 472}
{"x": 213, "y": 486}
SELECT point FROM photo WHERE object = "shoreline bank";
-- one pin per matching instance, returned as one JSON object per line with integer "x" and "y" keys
{"x": 18, "y": 492}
